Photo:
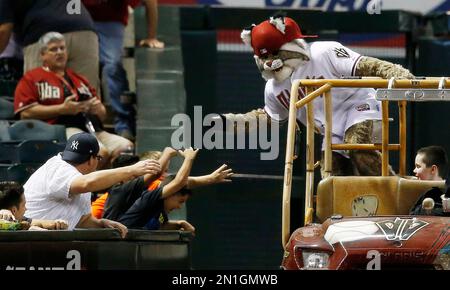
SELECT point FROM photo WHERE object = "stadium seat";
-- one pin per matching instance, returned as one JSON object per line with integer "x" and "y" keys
{"x": 6, "y": 109}
{"x": 4, "y": 132}
{"x": 8, "y": 87}
{"x": 369, "y": 195}
{"x": 21, "y": 172}
{"x": 17, "y": 172}
{"x": 4, "y": 172}
{"x": 36, "y": 130}
{"x": 29, "y": 151}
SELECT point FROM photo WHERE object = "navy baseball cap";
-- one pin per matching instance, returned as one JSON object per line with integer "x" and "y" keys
{"x": 80, "y": 147}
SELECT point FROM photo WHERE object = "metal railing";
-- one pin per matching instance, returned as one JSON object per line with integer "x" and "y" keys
{"x": 402, "y": 91}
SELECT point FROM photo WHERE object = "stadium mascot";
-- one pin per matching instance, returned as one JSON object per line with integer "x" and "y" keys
{"x": 282, "y": 55}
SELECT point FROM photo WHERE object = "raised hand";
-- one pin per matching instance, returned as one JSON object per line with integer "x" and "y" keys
{"x": 172, "y": 152}
{"x": 222, "y": 174}
{"x": 188, "y": 153}
{"x": 146, "y": 167}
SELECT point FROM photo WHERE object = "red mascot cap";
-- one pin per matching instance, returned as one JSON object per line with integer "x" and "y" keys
{"x": 267, "y": 38}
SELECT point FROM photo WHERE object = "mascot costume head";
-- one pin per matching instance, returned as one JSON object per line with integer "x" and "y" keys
{"x": 278, "y": 47}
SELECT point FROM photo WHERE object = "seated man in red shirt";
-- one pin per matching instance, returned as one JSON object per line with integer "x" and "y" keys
{"x": 58, "y": 95}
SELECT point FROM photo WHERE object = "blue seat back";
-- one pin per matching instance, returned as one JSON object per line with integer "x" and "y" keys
{"x": 36, "y": 130}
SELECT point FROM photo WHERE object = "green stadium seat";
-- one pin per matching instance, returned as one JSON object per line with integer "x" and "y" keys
{"x": 29, "y": 151}
{"x": 7, "y": 87}
{"x": 4, "y": 132}
{"x": 6, "y": 109}
{"x": 36, "y": 130}
{"x": 17, "y": 172}
{"x": 4, "y": 172}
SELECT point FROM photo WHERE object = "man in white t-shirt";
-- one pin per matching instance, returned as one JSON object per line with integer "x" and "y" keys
{"x": 61, "y": 188}
{"x": 282, "y": 56}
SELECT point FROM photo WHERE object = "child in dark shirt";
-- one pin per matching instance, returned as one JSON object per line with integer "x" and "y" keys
{"x": 156, "y": 205}
{"x": 135, "y": 204}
